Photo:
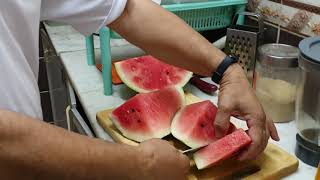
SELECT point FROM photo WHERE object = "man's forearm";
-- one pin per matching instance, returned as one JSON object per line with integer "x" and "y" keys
{"x": 30, "y": 149}
{"x": 167, "y": 37}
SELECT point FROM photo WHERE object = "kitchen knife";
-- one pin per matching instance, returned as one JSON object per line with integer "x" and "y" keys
{"x": 192, "y": 150}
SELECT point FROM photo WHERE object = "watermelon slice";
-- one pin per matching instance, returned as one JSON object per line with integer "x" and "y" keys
{"x": 148, "y": 115}
{"x": 146, "y": 74}
{"x": 221, "y": 149}
{"x": 193, "y": 124}
{"x": 115, "y": 77}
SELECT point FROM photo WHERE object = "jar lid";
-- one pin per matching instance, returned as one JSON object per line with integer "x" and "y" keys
{"x": 310, "y": 49}
{"x": 278, "y": 55}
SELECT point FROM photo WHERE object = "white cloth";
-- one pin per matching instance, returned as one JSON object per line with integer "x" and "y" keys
{"x": 19, "y": 32}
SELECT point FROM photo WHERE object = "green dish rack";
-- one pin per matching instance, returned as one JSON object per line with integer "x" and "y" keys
{"x": 214, "y": 14}
{"x": 201, "y": 16}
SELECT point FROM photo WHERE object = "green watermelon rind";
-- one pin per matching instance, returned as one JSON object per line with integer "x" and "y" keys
{"x": 129, "y": 135}
{"x": 132, "y": 85}
{"x": 140, "y": 138}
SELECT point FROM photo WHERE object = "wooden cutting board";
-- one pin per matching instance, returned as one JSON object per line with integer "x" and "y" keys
{"x": 274, "y": 163}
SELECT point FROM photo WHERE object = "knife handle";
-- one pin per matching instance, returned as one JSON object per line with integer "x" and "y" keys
{"x": 203, "y": 85}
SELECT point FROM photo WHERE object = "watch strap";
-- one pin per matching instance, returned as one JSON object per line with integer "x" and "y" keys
{"x": 224, "y": 65}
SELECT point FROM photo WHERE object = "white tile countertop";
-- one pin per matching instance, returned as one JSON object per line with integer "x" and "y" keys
{"x": 87, "y": 82}
{"x": 66, "y": 39}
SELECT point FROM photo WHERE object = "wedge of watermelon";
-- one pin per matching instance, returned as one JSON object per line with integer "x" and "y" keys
{"x": 148, "y": 115}
{"x": 146, "y": 74}
{"x": 221, "y": 149}
{"x": 193, "y": 124}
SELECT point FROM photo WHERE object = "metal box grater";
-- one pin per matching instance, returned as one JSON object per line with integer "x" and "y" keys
{"x": 243, "y": 40}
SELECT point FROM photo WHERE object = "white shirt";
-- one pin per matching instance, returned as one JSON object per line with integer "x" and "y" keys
{"x": 19, "y": 31}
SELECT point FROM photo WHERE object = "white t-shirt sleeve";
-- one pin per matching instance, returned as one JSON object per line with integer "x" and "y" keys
{"x": 87, "y": 16}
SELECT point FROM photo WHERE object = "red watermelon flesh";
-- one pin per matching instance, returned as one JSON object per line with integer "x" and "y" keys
{"x": 146, "y": 74}
{"x": 148, "y": 115}
{"x": 221, "y": 149}
{"x": 193, "y": 124}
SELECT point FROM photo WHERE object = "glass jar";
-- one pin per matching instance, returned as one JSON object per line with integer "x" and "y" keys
{"x": 308, "y": 102}
{"x": 277, "y": 75}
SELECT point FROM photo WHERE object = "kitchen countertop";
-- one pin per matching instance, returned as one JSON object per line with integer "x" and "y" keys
{"x": 87, "y": 82}
{"x": 66, "y": 39}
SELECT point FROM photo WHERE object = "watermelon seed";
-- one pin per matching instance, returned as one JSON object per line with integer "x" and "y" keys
{"x": 139, "y": 121}
{"x": 132, "y": 110}
{"x": 167, "y": 72}
{"x": 202, "y": 125}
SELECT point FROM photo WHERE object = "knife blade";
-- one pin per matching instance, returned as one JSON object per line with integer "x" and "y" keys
{"x": 192, "y": 150}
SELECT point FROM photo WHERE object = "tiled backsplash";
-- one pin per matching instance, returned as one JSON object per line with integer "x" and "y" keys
{"x": 300, "y": 16}
{"x": 270, "y": 35}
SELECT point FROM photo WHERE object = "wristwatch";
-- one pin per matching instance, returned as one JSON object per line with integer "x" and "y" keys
{"x": 224, "y": 65}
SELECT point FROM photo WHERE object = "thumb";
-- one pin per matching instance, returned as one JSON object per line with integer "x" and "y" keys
{"x": 221, "y": 123}
{"x": 273, "y": 130}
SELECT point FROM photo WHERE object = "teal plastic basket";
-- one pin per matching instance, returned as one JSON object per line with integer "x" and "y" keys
{"x": 202, "y": 16}
{"x": 214, "y": 14}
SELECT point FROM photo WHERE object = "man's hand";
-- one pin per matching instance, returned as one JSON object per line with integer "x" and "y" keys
{"x": 31, "y": 149}
{"x": 236, "y": 98}
{"x": 160, "y": 160}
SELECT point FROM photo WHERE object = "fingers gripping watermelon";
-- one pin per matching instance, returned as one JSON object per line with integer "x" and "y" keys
{"x": 193, "y": 124}
{"x": 221, "y": 149}
{"x": 146, "y": 74}
{"x": 148, "y": 115}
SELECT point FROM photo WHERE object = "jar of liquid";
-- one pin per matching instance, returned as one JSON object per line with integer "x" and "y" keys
{"x": 277, "y": 75}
